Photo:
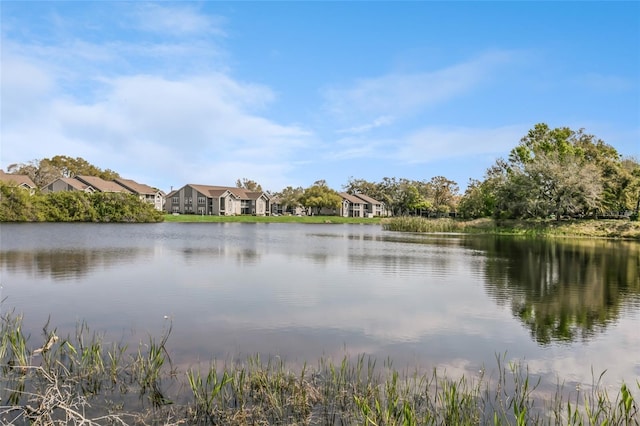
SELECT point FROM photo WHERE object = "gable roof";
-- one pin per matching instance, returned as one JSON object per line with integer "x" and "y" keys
{"x": 135, "y": 187}
{"x": 101, "y": 184}
{"x": 350, "y": 198}
{"x": 254, "y": 195}
{"x": 18, "y": 180}
{"x": 74, "y": 183}
{"x": 367, "y": 199}
{"x": 209, "y": 190}
{"x": 218, "y": 191}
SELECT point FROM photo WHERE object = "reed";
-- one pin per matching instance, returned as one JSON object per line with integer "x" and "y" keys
{"x": 81, "y": 380}
{"x": 421, "y": 224}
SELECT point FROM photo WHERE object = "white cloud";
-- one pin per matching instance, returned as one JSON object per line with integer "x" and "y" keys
{"x": 357, "y": 146}
{"x": 436, "y": 143}
{"x": 166, "y": 112}
{"x": 429, "y": 144}
{"x": 182, "y": 20}
{"x": 378, "y": 122}
{"x": 180, "y": 128}
{"x": 405, "y": 93}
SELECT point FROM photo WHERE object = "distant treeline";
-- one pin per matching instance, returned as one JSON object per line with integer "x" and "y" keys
{"x": 551, "y": 173}
{"x": 555, "y": 173}
{"x": 19, "y": 205}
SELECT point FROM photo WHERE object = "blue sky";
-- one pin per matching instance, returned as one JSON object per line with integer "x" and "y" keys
{"x": 287, "y": 93}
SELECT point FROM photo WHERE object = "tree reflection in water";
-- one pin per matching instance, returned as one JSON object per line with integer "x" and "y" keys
{"x": 562, "y": 290}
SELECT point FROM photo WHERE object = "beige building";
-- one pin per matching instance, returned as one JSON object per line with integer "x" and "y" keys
{"x": 216, "y": 200}
{"x": 95, "y": 184}
{"x": 22, "y": 181}
{"x": 145, "y": 192}
{"x": 360, "y": 205}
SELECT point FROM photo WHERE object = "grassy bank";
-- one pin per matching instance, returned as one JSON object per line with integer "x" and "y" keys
{"x": 623, "y": 229}
{"x": 81, "y": 379}
{"x": 605, "y": 228}
{"x": 269, "y": 219}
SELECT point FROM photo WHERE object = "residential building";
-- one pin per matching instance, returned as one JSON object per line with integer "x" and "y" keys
{"x": 95, "y": 184}
{"x": 216, "y": 200}
{"x": 22, "y": 181}
{"x": 145, "y": 192}
{"x": 67, "y": 184}
{"x": 372, "y": 207}
{"x": 102, "y": 185}
{"x": 360, "y": 205}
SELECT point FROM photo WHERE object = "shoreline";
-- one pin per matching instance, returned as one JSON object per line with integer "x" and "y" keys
{"x": 571, "y": 228}
{"x": 116, "y": 384}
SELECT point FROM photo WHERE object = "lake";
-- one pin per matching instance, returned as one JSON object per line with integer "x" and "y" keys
{"x": 567, "y": 308}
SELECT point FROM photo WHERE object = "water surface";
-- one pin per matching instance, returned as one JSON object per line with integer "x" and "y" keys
{"x": 301, "y": 291}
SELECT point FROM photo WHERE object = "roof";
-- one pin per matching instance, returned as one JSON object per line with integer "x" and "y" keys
{"x": 217, "y": 191}
{"x": 135, "y": 187}
{"x": 351, "y": 198}
{"x": 75, "y": 183}
{"x": 18, "y": 180}
{"x": 254, "y": 195}
{"x": 211, "y": 191}
{"x": 367, "y": 199}
{"x": 101, "y": 184}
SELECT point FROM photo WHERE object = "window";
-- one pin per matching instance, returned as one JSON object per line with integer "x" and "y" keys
{"x": 188, "y": 200}
{"x": 175, "y": 200}
{"x": 202, "y": 200}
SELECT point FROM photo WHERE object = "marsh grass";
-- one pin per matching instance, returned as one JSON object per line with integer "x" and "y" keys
{"x": 81, "y": 379}
{"x": 589, "y": 228}
{"x": 420, "y": 224}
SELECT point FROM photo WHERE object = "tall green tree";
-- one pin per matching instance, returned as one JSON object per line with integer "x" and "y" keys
{"x": 410, "y": 200}
{"x": 290, "y": 197}
{"x": 556, "y": 172}
{"x": 361, "y": 186}
{"x": 444, "y": 194}
{"x": 319, "y": 196}
{"x": 631, "y": 194}
{"x": 18, "y": 204}
{"x": 478, "y": 200}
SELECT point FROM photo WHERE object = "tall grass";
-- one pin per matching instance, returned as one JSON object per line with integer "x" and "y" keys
{"x": 421, "y": 224}
{"x": 82, "y": 380}
{"x": 621, "y": 229}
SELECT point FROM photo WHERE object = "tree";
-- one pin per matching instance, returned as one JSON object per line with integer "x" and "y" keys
{"x": 17, "y": 204}
{"x": 554, "y": 172}
{"x": 248, "y": 184}
{"x": 289, "y": 197}
{"x": 478, "y": 200}
{"x": 319, "y": 196}
{"x": 361, "y": 186}
{"x": 543, "y": 140}
{"x": 567, "y": 186}
{"x": 45, "y": 171}
{"x": 389, "y": 194}
{"x": 631, "y": 194}
{"x": 444, "y": 193}
{"x": 411, "y": 200}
